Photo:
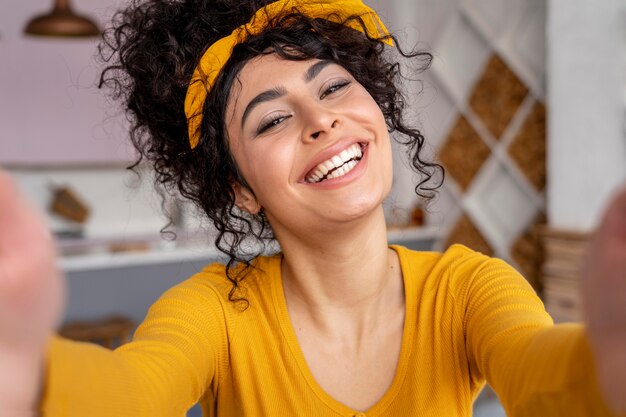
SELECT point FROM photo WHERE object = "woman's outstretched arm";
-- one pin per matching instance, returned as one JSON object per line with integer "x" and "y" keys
{"x": 604, "y": 297}
{"x": 31, "y": 300}
{"x": 538, "y": 368}
{"x": 177, "y": 355}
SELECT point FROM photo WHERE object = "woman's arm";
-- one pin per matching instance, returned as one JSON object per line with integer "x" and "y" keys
{"x": 31, "y": 300}
{"x": 536, "y": 368}
{"x": 176, "y": 355}
{"x": 604, "y": 297}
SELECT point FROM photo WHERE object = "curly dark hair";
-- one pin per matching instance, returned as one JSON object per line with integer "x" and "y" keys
{"x": 151, "y": 51}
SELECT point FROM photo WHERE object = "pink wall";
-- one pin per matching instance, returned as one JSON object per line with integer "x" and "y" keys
{"x": 51, "y": 112}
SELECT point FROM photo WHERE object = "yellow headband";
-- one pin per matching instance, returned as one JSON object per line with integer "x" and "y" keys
{"x": 216, "y": 56}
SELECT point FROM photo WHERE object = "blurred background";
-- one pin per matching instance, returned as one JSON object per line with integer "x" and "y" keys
{"x": 524, "y": 105}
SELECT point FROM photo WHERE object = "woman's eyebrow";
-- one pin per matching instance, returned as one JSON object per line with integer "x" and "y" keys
{"x": 315, "y": 69}
{"x": 267, "y": 95}
{"x": 277, "y": 92}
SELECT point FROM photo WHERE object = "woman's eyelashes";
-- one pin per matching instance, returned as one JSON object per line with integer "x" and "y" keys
{"x": 271, "y": 123}
{"x": 333, "y": 87}
{"x": 276, "y": 120}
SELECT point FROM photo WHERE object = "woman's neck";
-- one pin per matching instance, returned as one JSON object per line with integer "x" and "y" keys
{"x": 351, "y": 271}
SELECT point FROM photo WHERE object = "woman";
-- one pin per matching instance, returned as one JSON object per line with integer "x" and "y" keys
{"x": 275, "y": 119}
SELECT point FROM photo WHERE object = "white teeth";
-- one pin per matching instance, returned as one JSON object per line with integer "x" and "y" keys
{"x": 339, "y": 164}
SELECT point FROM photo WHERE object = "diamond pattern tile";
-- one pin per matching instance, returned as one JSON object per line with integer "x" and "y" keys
{"x": 529, "y": 36}
{"x": 466, "y": 233}
{"x": 499, "y": 15}
{"x": 493, "y": 210}
{"x": 430, "y": 19}
{"x": 527, "y": 252}
{"x": 497, "y": 96}
{"x": 499, "y": 205}
{"x": 528, "y": 149}
{"x": 463, "y": 153}
{"x": 437, "y": 114}
{"x": 461, "y": 56}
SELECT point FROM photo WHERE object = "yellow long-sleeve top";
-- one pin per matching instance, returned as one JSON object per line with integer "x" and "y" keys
{"x": 469, "y": 318}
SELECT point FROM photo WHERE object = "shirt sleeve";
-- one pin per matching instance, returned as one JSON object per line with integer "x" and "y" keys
{"x": 177, "y": 353}
{"x": 536, "y": 368}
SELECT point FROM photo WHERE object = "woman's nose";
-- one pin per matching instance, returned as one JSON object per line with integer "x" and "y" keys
{"x": 320, "y": 121}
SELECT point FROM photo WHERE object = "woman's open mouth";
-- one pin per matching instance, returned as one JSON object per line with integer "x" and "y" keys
{"x": 336, "y": 166}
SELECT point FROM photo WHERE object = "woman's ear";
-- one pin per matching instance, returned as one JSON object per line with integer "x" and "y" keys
{"x": 245, "y": 199}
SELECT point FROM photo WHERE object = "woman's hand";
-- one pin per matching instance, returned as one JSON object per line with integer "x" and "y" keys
{"x": 604, "y": 296}
{"x": 31, "y": 299}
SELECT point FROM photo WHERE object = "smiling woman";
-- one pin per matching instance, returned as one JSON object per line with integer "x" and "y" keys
{"x": 336, "y": 50}
{"x": 275, "y": 119}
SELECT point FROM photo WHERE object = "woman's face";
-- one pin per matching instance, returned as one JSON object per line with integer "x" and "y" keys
{"x": 310, "y": 141}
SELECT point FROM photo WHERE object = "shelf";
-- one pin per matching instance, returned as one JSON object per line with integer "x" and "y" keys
{"x": 108, "y": 260}
{"x": 412, "y": 234}
{"x": 167, "y": 253}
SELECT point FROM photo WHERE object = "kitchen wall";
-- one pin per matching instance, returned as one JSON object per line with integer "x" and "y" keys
{"x": 587, "y": 96}
{"x": 51, "y": 111}
{"x": 58, "y": 129}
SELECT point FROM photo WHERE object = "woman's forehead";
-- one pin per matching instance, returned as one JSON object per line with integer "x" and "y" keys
{"x": 271, "y": 68}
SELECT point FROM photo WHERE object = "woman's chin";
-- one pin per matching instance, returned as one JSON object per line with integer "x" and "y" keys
{"x": 359, "y": 208}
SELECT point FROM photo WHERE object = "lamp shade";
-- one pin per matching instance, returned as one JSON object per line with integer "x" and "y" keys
{"x": 62, "y": 21}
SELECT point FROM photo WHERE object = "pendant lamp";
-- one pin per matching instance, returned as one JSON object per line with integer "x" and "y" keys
{"x": 62, "y": 21}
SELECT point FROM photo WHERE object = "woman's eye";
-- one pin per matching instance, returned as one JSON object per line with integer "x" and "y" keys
{"x": 275, "y": 121}
{"x": 338, "y": 85}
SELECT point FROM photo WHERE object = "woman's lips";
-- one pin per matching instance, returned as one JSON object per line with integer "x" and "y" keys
{"x": 336, "y": 166}
{"x": 341, "y": 180}
{"x": 332, "y": 157}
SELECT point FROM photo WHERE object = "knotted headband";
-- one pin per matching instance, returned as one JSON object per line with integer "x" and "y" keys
{"x": 214, "y": 59}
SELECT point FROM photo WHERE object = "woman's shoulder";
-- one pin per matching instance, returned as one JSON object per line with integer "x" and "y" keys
{"x": 458, "y": 266}
{"x": 213, "y": 282}
{"x": 455, "y": 256}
